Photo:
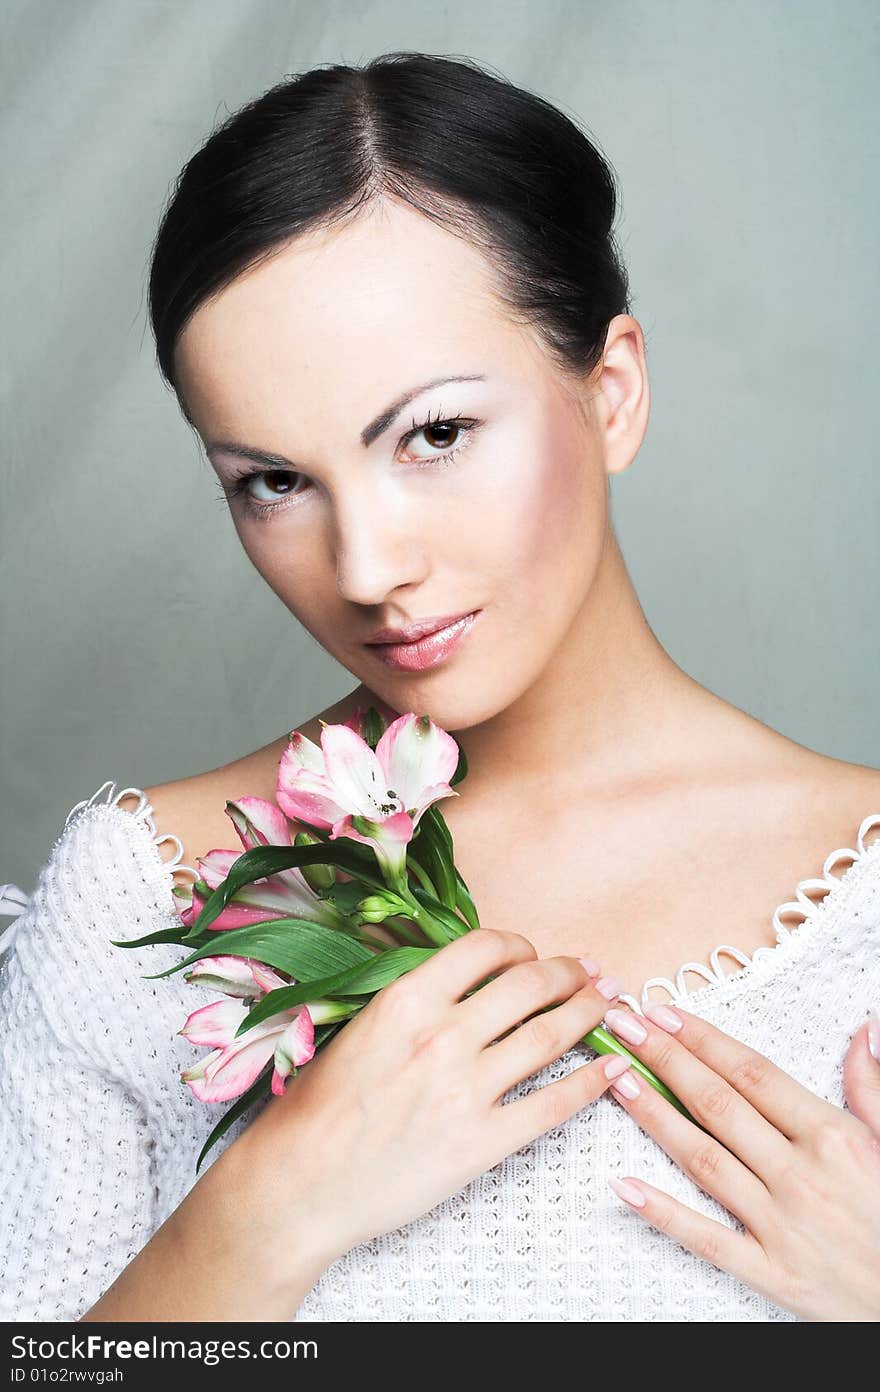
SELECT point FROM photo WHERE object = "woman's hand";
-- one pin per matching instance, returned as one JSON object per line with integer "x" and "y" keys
{"x": 802, "y": 1175}
{"x": 404, "y": 1106}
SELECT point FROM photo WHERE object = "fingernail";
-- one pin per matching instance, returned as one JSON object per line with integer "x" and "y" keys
{"x": 874, "y": 1033}
{"x": 665, "y": 1017}
{"x": 626, "y": 1085}
{"x": 609, "y": 986}
{"x": 627, "y": 1191}
{"x": 615, "y": 1064}
{"x": 589, "y": 966}
{"x": 624, "y": 1024}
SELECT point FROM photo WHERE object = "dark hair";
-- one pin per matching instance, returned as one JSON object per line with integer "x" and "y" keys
{"x": 481, "y": 156}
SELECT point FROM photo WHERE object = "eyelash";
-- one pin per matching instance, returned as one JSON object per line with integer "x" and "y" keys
{"x": 239, "y": 486}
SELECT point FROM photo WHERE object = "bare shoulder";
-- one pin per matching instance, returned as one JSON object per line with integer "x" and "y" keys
{"x": 848, "y": 792}
{"x": 193, "y": 808}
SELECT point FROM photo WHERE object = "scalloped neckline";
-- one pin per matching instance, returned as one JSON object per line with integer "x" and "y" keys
{"x": 790, "y": 941}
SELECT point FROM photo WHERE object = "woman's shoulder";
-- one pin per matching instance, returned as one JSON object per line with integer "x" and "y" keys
{"x": 849, "y": 792}
{"x": 107, "y": 874}
{"x": 191, "y": 810}
{"x": 76, "y": 963}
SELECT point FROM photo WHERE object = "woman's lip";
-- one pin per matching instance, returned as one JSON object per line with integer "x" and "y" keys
{"x": 425, "y": 652}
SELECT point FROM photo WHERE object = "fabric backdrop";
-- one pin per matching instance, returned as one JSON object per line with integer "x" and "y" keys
{"x": 137, "y": 641}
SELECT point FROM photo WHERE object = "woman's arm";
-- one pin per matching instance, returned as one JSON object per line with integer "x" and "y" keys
{"x": 93, "y": 1156}
{"x": 77, "y": 1180}
{"x": 235, "y": 1249}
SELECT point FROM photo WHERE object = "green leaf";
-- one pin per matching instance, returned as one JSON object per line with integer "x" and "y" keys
{"x": 311, "y": 951}
{"x": 325, "y": 1032}
{"x": 443, "y": 828}
{"x": 450, "y": 920}
{"x": 175, "y": 935}
{"x": 263, "y": 861}
{"x": 346, "y": 897}
{"x": 465, "y": 903}
{"x": 462, "y": 767}
{"x": 373, "y": 727}
{"x": 434, "y": 855}
{"x": 361, "y": 980}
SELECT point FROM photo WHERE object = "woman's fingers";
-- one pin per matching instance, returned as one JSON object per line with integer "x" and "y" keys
{"x": 541, "y": 1039}
{"x": 749, "y": 1157}
{"x": 552, "y": 1104}
{"x": 739, "y": 1253}
{"x": 703, "y": 1158}
{"x": 465, "y": 962}
{"x": 753, "y": 1107}
{"x": 501, "y": 1005}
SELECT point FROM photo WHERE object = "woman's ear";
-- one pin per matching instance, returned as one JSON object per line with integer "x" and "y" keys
{"x": 623, "y": 401}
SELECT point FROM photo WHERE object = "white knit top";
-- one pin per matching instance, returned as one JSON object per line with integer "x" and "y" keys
{"x": 100, "y": 1136}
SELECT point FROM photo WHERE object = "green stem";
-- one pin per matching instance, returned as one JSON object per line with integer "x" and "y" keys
{"x": 433, "y": 929}
{"x": 403, "y": 930}
{"x": 369, "y": 941}
{"x": 605, "y": 1043}
{"x": 422, "y": 876}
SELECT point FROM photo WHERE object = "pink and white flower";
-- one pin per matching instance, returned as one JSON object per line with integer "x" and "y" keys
{"x": 286, "y": 894}
{"x": 377, "y": 797}
{"x": 235, "y": 1062}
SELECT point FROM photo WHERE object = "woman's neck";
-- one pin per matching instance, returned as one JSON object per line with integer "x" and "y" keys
{"x": 611, "y": 710}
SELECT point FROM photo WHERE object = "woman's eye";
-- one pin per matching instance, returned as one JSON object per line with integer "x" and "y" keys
{"x": 280, "y": 478}
{"x": 444, "y": 439}
{"x": 446, "y": 433}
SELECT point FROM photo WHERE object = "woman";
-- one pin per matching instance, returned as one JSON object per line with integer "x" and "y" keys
{"x": 390, "y": 304}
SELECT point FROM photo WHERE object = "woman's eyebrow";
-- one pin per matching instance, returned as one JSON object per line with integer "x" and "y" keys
{"x": 385, "y": 418}
{"x": 369, "y": 433}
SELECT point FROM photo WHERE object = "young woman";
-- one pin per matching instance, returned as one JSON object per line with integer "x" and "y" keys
{"x": 390, "y": 304}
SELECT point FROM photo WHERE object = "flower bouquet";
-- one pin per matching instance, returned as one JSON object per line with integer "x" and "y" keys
{"x": 347, "y": 881}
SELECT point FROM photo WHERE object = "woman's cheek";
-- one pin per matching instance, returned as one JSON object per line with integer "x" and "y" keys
{"x": 555, "y": 516}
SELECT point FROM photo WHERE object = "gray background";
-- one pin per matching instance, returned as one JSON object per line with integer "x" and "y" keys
{"x": 139, "y": 644}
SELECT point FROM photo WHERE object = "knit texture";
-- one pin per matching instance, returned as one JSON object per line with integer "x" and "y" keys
{"x": 100, "y": 1136}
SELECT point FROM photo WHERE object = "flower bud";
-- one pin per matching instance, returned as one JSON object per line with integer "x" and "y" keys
{"x": 317, "y": 877}
{"x": 376, "y": 908}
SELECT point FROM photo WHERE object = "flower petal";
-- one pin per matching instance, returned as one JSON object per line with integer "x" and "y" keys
{"x": 389, "y": 838}
{"x": 355, "y": 773}
{"x": 266, "y": 977}
{"x": 229, "y": 1072}
{"x": 216, "y": 865}
{"x": 258, "y": 822}
{"x": 304, "y": 795}
{"x": 304, "y": 752}
{"x": 416, "y": 754}
{"x": 214, "y": 1024}
{"x": 294, "y": 1048}
{"x": 233, "y": 975}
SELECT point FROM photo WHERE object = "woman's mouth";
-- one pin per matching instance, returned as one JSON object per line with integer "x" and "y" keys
{"x": 426, "y": 652}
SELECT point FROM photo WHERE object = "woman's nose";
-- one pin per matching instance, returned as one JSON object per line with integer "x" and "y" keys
{"x": 380, "y": 546}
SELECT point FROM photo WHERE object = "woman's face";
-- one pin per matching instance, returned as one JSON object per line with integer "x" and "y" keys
{"x": 481, "y": 494}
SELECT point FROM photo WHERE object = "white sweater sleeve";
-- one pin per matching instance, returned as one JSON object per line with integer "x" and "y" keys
{"x": 99, "y": 1136}
{"x": 78, "y": 1197}
{"x": 77, "y": 1193}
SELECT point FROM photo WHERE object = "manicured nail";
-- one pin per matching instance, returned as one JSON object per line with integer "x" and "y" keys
{"x": 627, "y": 1191}
{"x": 589, "y": 966}
{"x": 609, "y": 987}
{"x": 874, "y": 1033}
{"x": 615, "y": 1065}
{"x": 624, "y": 1024}
{"x": 665, "y": 1017}
{"x": 626, "y": 1085}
